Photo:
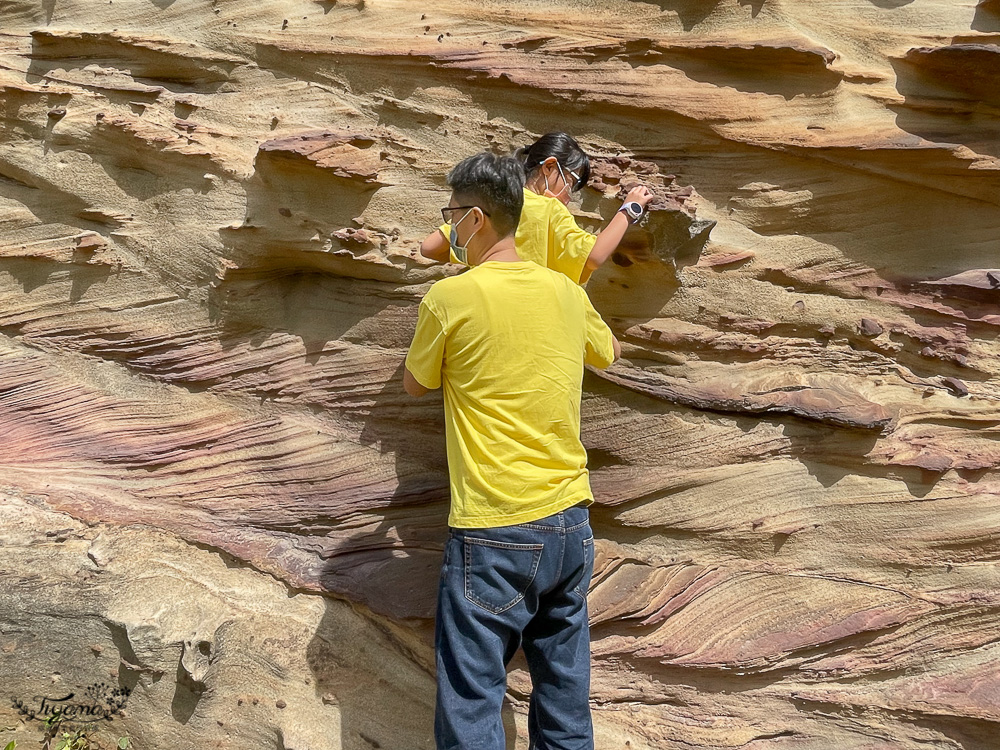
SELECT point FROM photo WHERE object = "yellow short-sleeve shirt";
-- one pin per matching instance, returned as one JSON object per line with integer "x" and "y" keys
{"x": 508, "y": 343}
{"x": 548, "y": 235}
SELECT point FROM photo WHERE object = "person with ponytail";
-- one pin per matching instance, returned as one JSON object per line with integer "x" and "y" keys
{"x": 555, "y": 168}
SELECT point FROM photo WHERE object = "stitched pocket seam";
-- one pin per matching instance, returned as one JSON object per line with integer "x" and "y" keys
{"x": 536, "y": 549}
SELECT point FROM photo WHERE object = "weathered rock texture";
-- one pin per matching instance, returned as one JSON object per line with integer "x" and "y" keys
{"x": 216, "y": 495}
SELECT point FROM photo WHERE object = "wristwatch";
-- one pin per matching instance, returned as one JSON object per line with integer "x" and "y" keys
{"x": 633, "y": 211}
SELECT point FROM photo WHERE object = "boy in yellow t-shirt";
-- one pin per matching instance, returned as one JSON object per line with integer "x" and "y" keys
{"x": 507, "y": 341}
{"x": 547, "y": 233}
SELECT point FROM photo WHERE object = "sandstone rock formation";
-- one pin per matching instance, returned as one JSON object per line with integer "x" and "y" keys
{"x": 217, "y": 501}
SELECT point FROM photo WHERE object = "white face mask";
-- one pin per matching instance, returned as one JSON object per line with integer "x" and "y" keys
{"x": 566, "y": 183}
{"x": 461, "y": 251}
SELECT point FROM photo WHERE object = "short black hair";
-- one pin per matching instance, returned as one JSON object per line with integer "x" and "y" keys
{"x": 495, "y": 184}
{"x": 562, "y": 146}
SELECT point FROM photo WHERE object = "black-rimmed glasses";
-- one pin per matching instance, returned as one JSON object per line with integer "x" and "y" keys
{"x": 445, "y": 212}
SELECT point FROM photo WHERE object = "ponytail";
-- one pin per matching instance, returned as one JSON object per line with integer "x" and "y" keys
{"x": 564, "y": 148}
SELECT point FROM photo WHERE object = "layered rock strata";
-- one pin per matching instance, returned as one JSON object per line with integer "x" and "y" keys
{"x": 217, "y": 500}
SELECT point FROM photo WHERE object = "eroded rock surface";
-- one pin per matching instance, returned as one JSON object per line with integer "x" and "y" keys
{"x": 215, "y": 494}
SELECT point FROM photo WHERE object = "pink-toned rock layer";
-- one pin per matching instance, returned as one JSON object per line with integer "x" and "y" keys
{"x": 215, "y": 494}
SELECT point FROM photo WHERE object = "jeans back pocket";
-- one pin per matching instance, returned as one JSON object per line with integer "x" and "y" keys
{"x": 498, "y": 574}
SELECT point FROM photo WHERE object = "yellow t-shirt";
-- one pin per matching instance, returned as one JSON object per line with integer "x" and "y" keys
{"x": 548, "y": 234}
{"x": 508, "y": 342}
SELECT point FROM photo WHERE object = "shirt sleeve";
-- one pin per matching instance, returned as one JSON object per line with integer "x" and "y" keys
{"x": 425, "y": 358}
{"x": 600, "y": 350}
{"x": 569, "y": 246}
{"x": 445, "y": 229}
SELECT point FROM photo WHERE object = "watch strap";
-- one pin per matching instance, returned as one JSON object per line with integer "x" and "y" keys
{"x": 630, "y": 212}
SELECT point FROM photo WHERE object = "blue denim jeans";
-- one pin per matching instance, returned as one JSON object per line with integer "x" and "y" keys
{"x": 505, "y": 587}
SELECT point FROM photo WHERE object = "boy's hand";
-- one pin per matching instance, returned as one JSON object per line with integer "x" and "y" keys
{"x": 641, "y": 195}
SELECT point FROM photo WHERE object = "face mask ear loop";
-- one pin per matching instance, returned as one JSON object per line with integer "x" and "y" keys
{"x": 565, "y": 187}
{"x": 461, "y": 251}
{"x": 546, "y": 178}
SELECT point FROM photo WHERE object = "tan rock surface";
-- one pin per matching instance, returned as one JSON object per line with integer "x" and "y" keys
{"x": 213, "y": 490}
